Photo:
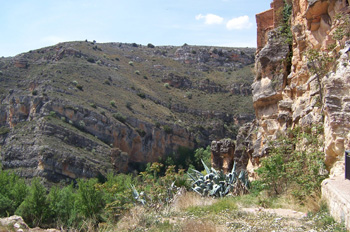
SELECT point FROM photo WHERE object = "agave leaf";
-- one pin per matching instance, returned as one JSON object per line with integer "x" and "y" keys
{"x": 190, "y": 176}
{"x": 198, "y": 173}
{"x": 228, "y": 189}
{"x": 197, "y": 190}
{"x": 214, "y": 190}
{"x": 135, "y": 194}
{"x": 234, "y": 168}
{"x": 142, "y": 201}
{"x": 214, "y": 171}
{"x": 205, "y": 167}
{"x": 242, "y": 176}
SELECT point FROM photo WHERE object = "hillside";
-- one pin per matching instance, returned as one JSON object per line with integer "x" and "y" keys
{"x": 81, "y": 109}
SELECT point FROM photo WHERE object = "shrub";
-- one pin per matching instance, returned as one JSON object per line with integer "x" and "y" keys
{"x": 141, "y": 95}
{"x": 80, "y": 87}
{"x": 166, "y": 85}
{"x": 4, "y": 130}
{"x": 52, "y": 114}
{"x": 81, "y": 124}
{"x": 137, "y": 72}
{"x": 202, "y": 154}
{"x": 34, "y": 208}
{"x": 89, "y": 200}
{"x": 12, "y": 193}
{"x": 295, "y": 164}
{"x": 188, "y": 95}
{"x": 167, "y": 129}
{"x": 91, "y": 60}
{"x": 61, "y": 205}
{"x": 75, "y": 83}
{"x": 93, "y": 105}
{"x": 112, "y": 103}
{"x": 35, "y": 92}
{"x": 150, "y": 45}
{"x": 131, "y": 63}
{"x": 141, "y": 132}
{"x": 128, "y": 105}
{"x": 119, "y": 117}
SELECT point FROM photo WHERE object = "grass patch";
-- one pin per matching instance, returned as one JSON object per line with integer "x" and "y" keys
{"x": 4, "y": 130}
{"x": 224, "y": 204}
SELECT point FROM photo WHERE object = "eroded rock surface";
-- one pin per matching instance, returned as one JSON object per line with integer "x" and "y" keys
{"x": 222, "y": 155}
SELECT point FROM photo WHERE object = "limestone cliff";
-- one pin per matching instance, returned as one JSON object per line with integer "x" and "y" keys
{"x": 304, "y": 90}
{"x": 82, "y": 109}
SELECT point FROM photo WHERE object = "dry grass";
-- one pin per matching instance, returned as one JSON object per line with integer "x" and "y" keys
{"x": 188, "y": 199}
{"x": 132, "y": 219}
{"x": 193, "y": 225}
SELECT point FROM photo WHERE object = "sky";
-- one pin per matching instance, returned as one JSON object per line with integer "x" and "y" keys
{"x": 32, "y": 24}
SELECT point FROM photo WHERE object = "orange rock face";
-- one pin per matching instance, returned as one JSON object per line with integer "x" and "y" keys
{"x": 285, "y": 95}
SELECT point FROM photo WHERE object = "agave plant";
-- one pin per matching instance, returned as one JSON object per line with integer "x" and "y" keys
{"x": 139, "y": 197}
{"x": 217, "y": 184}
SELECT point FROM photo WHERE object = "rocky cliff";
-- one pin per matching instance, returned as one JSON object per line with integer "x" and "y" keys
{"x": 82, "y": 109}
{"x": 303, "y": 77}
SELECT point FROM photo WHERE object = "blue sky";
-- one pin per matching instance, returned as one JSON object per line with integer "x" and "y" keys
{"x": 31, "y": 24}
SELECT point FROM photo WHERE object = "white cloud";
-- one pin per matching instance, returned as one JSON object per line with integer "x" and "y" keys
{"x": 210, "y": 19}
{"x": 239, "y": 23}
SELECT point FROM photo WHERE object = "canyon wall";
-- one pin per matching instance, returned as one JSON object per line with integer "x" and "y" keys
{"x": 292, "y": 89}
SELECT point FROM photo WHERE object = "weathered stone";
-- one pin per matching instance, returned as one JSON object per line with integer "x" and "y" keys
{"x": 222, "y": 153}
{"x": 336, "y": 192}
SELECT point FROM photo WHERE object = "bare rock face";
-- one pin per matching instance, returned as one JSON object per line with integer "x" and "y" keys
{"x": 222, "y": 154}
{"x": 16, "y": 223}
{"x": 287, "y": 95}
{"x": 59, "y": 141}
{"x": 337, "y": 109}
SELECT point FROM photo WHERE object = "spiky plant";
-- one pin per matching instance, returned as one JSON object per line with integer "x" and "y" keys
{"x": 217, "y": 184}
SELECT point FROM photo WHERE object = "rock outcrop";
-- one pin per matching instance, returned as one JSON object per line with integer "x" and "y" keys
{"x": 83, "y": 109}
{"x": 286, "y": 94}
{"x": 16, "y": 223}
{"x": 222, "y": 153}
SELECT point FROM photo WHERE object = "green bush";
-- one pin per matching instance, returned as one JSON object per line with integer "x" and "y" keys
{"x": 141, "y": 132}
{"x": 167, "y": 129}
{"x": 34, "y": 209}
{"x": 80, "y": 87}
{"x": 295, "y": 164}
{"x": 4, "y": 130}
{"x": 12, "y": 192}
{"x": 112, "y": 103}
{"x": 202, "y": 154}
{"x": 62, "y": 207}
{"x": 119, "y": 117}
{"x": 91, "y": 60}
{"x": 89, "y": 201}
{"x": 141, "y": 95}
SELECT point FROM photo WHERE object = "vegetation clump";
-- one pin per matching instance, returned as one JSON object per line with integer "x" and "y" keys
{"x": 295, "y": 165}
{"x": 217, "y": 184}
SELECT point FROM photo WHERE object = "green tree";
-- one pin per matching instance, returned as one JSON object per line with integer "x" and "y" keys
{"x": 34, "y": 208}
{"x": 89, "y": 200}
{"x": 61, "y": 205}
